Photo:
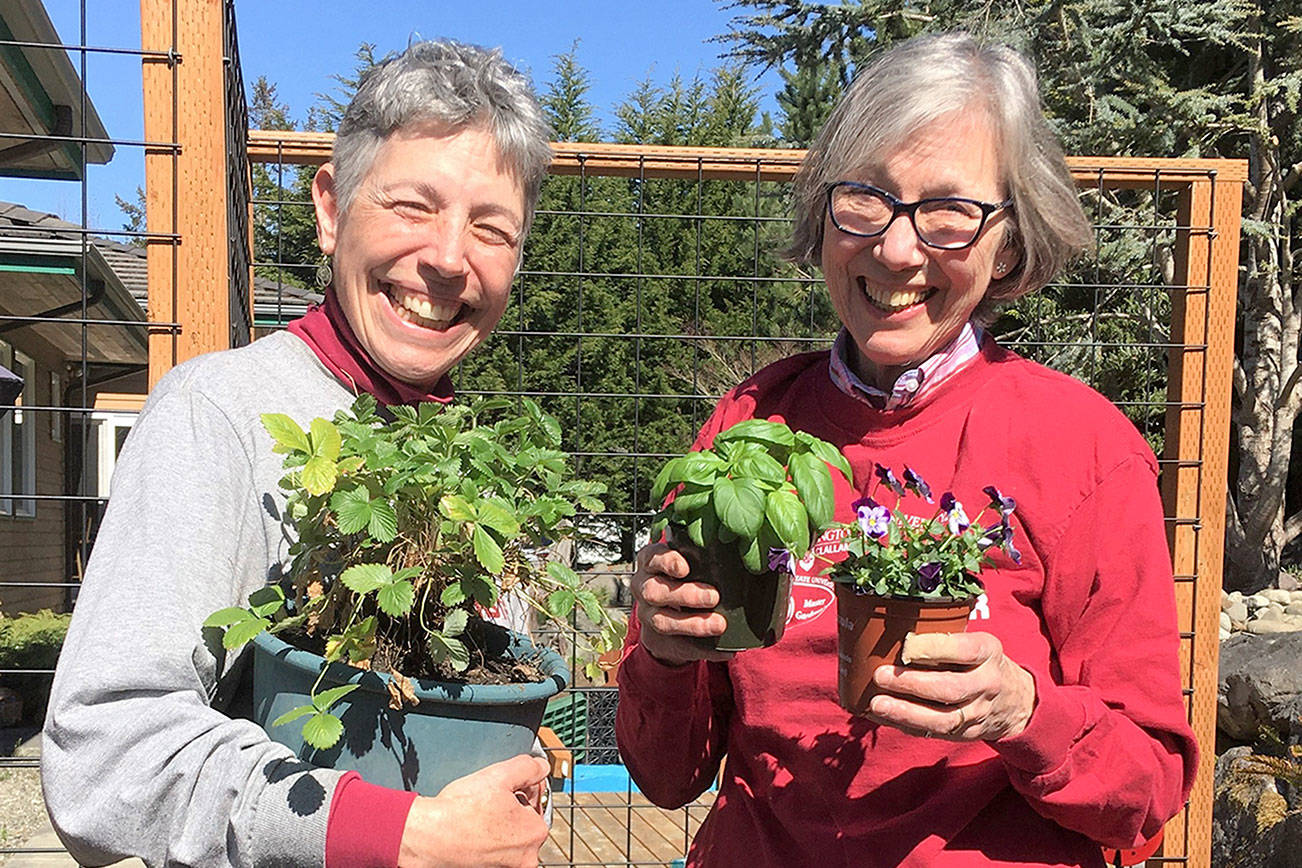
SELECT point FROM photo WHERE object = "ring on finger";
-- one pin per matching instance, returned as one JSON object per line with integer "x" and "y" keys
{"x": 962, "y": 722}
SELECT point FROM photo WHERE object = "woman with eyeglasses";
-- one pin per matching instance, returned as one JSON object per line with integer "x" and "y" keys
{"x": 1055, "y": 723}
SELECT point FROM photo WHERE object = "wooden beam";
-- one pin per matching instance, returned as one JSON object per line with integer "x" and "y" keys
{"x": 185, "y": 187}
{"x": 766, "y": 164}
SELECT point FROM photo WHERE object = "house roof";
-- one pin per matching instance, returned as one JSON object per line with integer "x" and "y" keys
{"x": 41, "y": 95}
{"x": 43, "y": 263}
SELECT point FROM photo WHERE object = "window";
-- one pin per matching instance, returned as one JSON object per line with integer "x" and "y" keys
{"x": 18, "y": 439}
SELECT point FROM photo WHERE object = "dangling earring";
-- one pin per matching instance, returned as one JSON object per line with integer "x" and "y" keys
{"x": 324, "y": 274}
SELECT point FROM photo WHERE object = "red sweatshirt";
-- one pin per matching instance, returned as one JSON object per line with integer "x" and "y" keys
{"x": 1108, "y": 755}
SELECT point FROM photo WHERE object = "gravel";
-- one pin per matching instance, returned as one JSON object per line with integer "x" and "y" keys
{"x": 22, "y": 810}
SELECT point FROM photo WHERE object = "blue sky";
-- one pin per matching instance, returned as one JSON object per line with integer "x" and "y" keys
{"x": 299, "y": 44}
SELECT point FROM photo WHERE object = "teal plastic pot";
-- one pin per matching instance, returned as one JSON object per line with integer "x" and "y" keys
{"x": 454, "y": 730}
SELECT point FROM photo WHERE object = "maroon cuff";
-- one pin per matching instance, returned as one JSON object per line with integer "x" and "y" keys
{"x": 365, "y": 825}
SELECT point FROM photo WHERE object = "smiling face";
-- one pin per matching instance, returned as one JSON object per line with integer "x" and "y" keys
{"x": 900, "y": 300}
{"x": 425, "y": 254}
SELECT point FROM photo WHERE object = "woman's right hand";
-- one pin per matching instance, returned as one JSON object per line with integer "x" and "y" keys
{"x": 672, "y": 609}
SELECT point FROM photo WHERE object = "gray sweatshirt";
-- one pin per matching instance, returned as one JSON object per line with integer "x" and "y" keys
{"x": 137, "y": 760}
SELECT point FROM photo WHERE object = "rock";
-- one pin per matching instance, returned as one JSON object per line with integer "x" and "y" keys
{"x": 1288, "y": 581}
{"x": 1273, "y": 612}
{"x": 1293, "y": 609}
{"x": 1238, "y": 611}
{"x": 1265, "y": 626}
{"x": 1226, "y": 623}
{"x": 1253, "y": 826}
{"x": 1257, "y": 601}
{"x": 1224, "y": 634}
{"x": 1260, "y": 684}
{"x": 1277, "y": 595}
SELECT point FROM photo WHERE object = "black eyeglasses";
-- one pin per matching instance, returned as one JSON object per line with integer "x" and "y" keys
{"x": 948, "y": 223}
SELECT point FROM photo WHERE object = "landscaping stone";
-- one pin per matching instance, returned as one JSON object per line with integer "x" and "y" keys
{"x": 1288, "y": 581}
{"x": 1257, "y": 601}
{"x": 1238, "y": 612}
{"x": 1260, "y": 684}
{"x": 1277, "y": 595}
{"x": 1254, "y": 825}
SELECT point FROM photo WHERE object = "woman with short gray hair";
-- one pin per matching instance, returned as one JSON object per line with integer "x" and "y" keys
{"x": 423, "y": 210}
{"x": 1055, "y": 723}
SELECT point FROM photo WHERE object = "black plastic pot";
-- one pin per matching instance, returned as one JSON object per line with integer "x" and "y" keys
{"x": 755, "y": 606}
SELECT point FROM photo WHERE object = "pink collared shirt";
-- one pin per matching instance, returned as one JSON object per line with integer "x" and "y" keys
{"x": 913, "y": 383}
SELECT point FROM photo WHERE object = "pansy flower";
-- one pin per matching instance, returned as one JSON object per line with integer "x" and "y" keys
{"x": 781, "y": 561}
{"x": 999, "y": 501}
{"x": 888, "y": 478}
{"x": 929, "y": 577}
{"x": 874, "y": 519}
{"x": 916, "y": 484}
{"x": 956, "y": 520}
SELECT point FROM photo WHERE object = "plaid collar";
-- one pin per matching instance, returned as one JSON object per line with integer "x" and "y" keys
{"x": 913, "y": 383}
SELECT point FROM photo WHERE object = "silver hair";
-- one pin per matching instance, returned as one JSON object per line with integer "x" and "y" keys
{"x": 915, "y": 83}
{"x": 447, "y": 83}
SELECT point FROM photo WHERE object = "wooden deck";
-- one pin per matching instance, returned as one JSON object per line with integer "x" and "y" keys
{"x": 604, "y": 829}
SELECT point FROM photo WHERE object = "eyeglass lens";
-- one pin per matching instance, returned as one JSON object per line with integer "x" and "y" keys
{"x": 939, "y": 222}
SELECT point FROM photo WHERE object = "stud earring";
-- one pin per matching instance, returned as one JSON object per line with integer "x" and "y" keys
{"x": 1000, "y": 267}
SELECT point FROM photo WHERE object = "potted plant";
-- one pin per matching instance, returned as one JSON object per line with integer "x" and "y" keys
{"x": 905, "y": 574}
{"x": 741, "y": 512}
{"x": 407, "y": 530}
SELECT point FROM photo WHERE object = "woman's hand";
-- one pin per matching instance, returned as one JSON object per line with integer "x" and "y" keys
{"x": 489, "y": 818}
{"x": 671, "y": 609}
{"x": 958, "y": 686}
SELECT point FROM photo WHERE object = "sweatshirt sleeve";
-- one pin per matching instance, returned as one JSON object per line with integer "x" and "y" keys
{"x": 135, "y": 761}
{"x": 671, "y": 723}
{"x": 1108, "y": 750}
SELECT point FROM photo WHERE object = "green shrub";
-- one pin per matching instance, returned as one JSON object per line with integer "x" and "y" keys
{"x": 31, "y": 641}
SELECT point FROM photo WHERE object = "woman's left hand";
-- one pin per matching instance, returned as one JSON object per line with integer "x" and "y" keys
{"x": 958, "y": 686}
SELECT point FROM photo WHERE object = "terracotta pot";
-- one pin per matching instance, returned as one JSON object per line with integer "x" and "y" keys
{"x": 755, "y": 606}
{"x": 870, "y": 633}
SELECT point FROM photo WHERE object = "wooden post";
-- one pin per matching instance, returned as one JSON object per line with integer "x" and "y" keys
{"x": 1194, "y": 484}
{"x": 185, "y": 188}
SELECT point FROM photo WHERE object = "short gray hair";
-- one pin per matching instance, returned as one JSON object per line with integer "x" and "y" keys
{"x": 915, "y": 83}
{"x": 450, "y": 83}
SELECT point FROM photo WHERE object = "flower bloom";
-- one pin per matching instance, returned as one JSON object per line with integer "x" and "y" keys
{"x": 887, "y": 477}
{"x": 999, "y": 501}
{"x": 929, "y": 577}
{"x": 916, "y": 484}
{"x": 781, "y": 561}
{"x": 1002, "y": 535}
{"x": 956, "y": 519}
{"x": 874, "y": 519}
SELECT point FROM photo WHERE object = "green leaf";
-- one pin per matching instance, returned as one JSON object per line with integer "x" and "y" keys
{"x": 226, "y": 617}
{"x": 455, "y": 622}
{"x": 740, "y": 506}
{"x": 242, "y": 631}
{"x": 397, "y": 599}
{"x": 825, "y": 451}
{"x": 286, "y": 432}
{"x": 319, "y": 475}
{"x": 814, "y": 484}
{"x": 453, "y": 595}
{"x": 325, "y": 439}
{"x": 591, "y": 605}
{"x": 487, "y": 551}
{"x": 497, "y": 514}
{"x": 294, "y": 714}
{"x": 563, "y": 574}
{"x": 689, "y": 501}
{"x": 784, "y": 512}
{"x": 453, "y": 651}
{"x": 758, "y": 430}
{"x": 364, "y": 578}
{"x": 759, "y": 465}
{"x": 326, "y": 698}
{"x": 751, "y": 556}
{"x": 700, "y": 468}
{"x": 353, "y": 508}
{"x": 560, "y": 603}
{"x": 383, "y": 524}
{"x": 457, "y": 508}
{"x": 265, "y": 602}
{"x": 661, "y": 486}
{"x": 322, "y": 730}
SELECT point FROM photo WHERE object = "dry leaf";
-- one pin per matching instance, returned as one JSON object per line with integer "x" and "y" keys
{"x": 400, "y": 690}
